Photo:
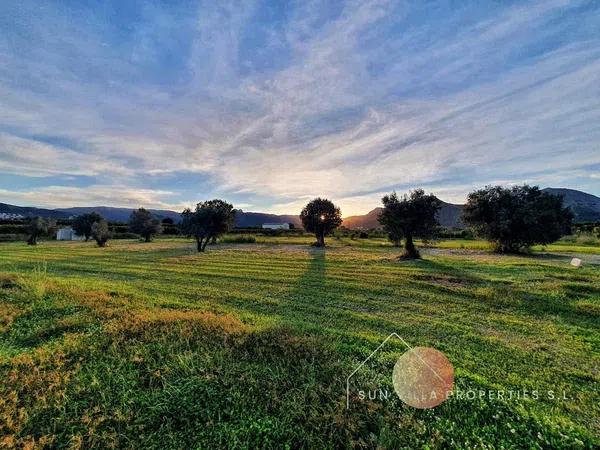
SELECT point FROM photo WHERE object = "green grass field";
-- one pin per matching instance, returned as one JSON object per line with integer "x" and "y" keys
{"x": 155, "y": 346}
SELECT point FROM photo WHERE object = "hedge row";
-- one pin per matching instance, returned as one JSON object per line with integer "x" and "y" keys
{"x": 13, "y": 229}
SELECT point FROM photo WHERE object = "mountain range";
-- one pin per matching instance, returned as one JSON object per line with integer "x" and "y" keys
{"x": 242, "y": 219}
{"x": 448, "y": 216}
{"x": 586, "y": 208}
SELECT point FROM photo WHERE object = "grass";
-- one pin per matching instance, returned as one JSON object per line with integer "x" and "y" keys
{"x": 239, "y": 239}
{"x": 151, "y": 345}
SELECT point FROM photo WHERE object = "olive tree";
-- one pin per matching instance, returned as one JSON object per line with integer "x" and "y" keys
{"x": 516, "y": 218}
{"x": 82, "y": 224}
{"x": 320, "y": 216}
{"x": 38, "y": 227}
{"x": 408, "y": 217}
{"x": 141, "y": 222}
{"x": 209, "y": 220}
{"x": 100, "y": 232}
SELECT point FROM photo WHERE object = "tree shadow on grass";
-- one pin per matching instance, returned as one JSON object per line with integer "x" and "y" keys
{"x": 307, "y": 295}
{"x": 313, "y": 279}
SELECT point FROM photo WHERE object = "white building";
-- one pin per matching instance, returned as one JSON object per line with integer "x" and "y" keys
{"x": 67, "y": 234}
{"x": 276, "y": 226}
{"x": 10, "y": 216}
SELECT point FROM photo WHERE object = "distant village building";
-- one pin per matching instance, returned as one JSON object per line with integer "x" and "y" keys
{"x": 276, "y": 226}
{"x": 10, "y": 216}
{"x": 67, "y": 234}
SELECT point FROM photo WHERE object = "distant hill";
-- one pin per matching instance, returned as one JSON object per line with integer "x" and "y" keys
{"x": 243, "y": 219}
{"x": 253, "y": 219}
{"x": 448, "y": 216}
{"x": 365, "y": 222}
{"x": 28, "y": 211}
{"x": 118, "y": 214}
{"x": 586, "y": 207}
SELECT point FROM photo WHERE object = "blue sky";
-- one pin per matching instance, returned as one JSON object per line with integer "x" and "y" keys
{"x": 269, "y": 104}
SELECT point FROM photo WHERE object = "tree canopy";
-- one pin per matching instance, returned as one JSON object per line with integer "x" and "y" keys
{"x": 38, "y": 227}
{"x": 320, "y": 216}
{"x": 209, "y": 220}
{"x": 408, "y": 217}
{"x": 141, "y": 222}
{"x": 100, "y": 232}
{"x": 516, "y": 218}
{"x": 82, "y": 224}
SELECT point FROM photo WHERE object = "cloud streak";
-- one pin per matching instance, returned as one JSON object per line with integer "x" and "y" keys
{"x": 271, "y": 107}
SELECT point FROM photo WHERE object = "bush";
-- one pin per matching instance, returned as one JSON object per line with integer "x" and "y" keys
{"x": 582, "y": 238}
{"x": 170, "y": 230}
{"x": 13, "y": 229}
{"x": 269, "y": 232}
{"x": 121, "y": 229}
{"x": 126, "y": 235}
{"x": 363, "y": 235}
{"x": 455, "y": 233}
{"x": 587, "y": 239}
{"x": 240, "y": 239}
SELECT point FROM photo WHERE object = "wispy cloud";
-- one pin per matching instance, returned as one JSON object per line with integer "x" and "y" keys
{"x": 273, "y": 106}
{"x": 95, "y": 195}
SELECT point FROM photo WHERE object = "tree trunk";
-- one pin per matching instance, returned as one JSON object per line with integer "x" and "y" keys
{"x": 205, "y": 243}
{"x": 320, "y": 239}
{"x": 148, "y": 238}
{"x": 410, "y": 251}
{"x": 32, "y": 240}
{"x": 199, "y": 243}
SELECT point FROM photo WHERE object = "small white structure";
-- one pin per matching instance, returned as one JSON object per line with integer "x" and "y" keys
{"x": 576, "y": 262}
{"x": 67, "y": 234}
{"x": 276, "y": 226}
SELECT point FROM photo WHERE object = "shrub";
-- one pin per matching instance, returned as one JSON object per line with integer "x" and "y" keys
{"x": 13, "y": 229}
{"x": 117, "y": 228}
{"x": 170, "y": 230}
{"x": 240, "y": 239}
{"x": 588, "y": 239}
{"x": 125, "y": 236}
{"x": 363, "y": 235}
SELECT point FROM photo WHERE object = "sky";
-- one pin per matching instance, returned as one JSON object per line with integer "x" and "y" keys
{"x": 268, "y": 104}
